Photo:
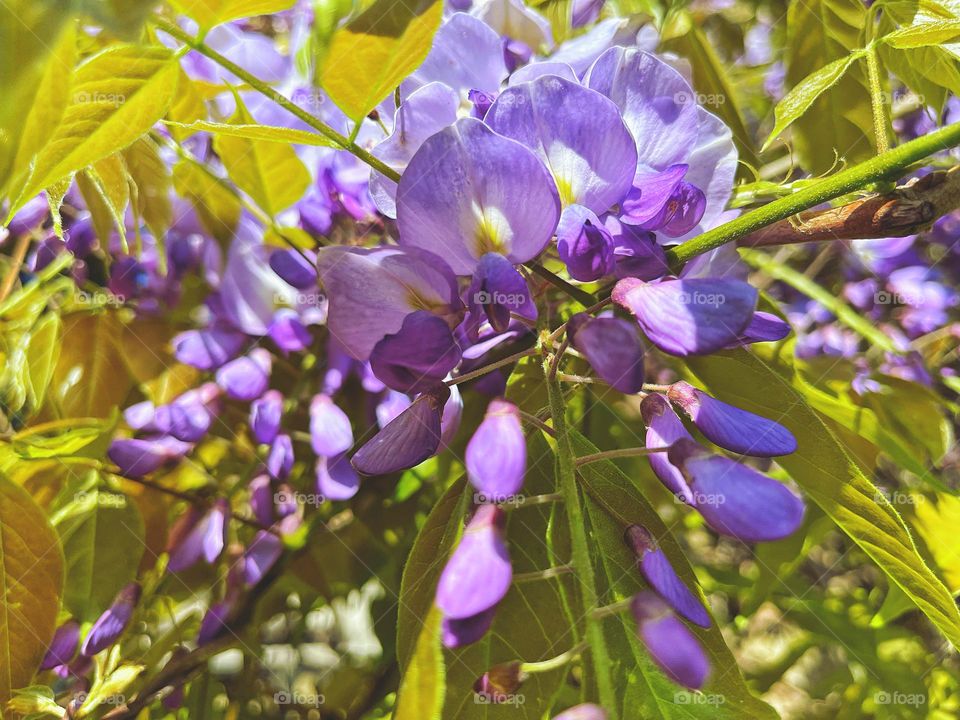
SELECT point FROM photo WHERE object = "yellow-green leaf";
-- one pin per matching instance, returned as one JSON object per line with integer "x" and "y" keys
{"x": 217, "y": 207}
{"x": 116, "y": 97}
{"x": 372, "y": 53}
{"x": 209, "y": 13}
{"x": 805, "y": 93}
{"x": 151, "y": 183}
{"x": 929, "y": 34}
{"x": 266, "y": 133}
{"x": 269, "y": 172}
{"x": 31, "y": 580}
{"x": 422, "y": 690}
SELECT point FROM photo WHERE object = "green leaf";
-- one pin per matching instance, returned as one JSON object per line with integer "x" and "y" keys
{"x": 150, "y": 179}
{"x": 374, "y": 52}
{"x": 615, "y": 501}
{"x": 64, "y": 438}
{"x": 117, "y": 96}
{"x": 42, "y": 352}
{"x": 31, "y": 580}
{"x": 804, "y": 94}
{"x": 103, "y": 540}
{"x": 829, "y": 476}
{"x": 209, "y": 13}
{"x": 839, "y": 123}
{"x": 217, "y": 207}
{"x": 265, "y": 133}
{"x": 269, "y": 172}
{"x": 924, "y": 34}
{"x": 421, "y": 693}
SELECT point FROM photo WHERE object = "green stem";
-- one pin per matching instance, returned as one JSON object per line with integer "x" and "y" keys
{"x": 581, "y": 296}
{"x": 887, "y": 165}
{"x": 554, "y": 663}
{"x": 621, "y": 453}
{"x": 877, "y": 102}
{"x": 264, "y": 89}
{"x": 580, "y": 545}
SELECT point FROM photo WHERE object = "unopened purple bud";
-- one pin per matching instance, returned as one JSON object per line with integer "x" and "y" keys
{"x": 500, "y": 683}
{"x": 664, "y": 428}
{"x": 497, "y": 290}
{"x": 63, "y": 647}
{"x": 478, "y": 574}
{"x": 417, "y": 357}
{"x": 457, "y": 633}
{"x": 587, "y": 711}
{"x": 261, "y": 499}
{"x": 80, "y": 236}
{"x": 31, "y": 216}
{"x": 46, "y": 252}
{"x": 246, "y": 378}
{"x": 192, "y": 414}
{"x": 730, "y": 427}
{"x": 658, "y": 571}
{"x": 265, "y": 415}
{"x": 208, "y": 349}
{"x": 496, "y": 457}
{"x": 481, "y": 102}
{"x": 216, "y": 621}
{"x": 688, "y": 316}
{"x": 111, "y": 625}
{"x": 735, "y": 499}
{"x": 763, "y": 327}
{"x": 195, "y": 536}
{"x": 261, "y": 556}
{"x": 136, "y": 457}
{"x": 408, "y": 440}
{"x": 294, "y": 269}
{"x": 280, "y": 458}
{"x": 336, "y": 478}
{"x": 670, "y": 643}
{"x": 584, "y": 244}
{"x": 612, "y": 347}
{"x": 288, "y": 332}
{"x": 330, "y": 430}
{"x": 450, "y": 419}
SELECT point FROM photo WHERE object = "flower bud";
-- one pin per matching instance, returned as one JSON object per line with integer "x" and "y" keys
{"x": 496, "y": 456}
{"x": 670, "y": 643}
{"x": 501, "y": 682}
{"x": 111, "y": 625}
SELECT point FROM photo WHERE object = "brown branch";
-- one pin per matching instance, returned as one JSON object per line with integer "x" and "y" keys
{"x": 909, "y": 209}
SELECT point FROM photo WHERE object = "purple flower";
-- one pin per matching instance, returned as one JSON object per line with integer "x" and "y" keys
{"x": 688, "y": 316}
{"x": 336, "y": 478}
{"x": 457, "y": 633}
{"x": 192, "y": 414}
{"x": 407, "y": 440}
{"x": 670, "y": 643}
{"x": 478, "y": 574}
{"x": 111, "y": 625}
{"x": 664, "y": 428}
{"x": 261, "y": 556}
{"x": 469, "y": 191}
{"x": 128, "y": 278}
{"x": 576, "y": 132}
{"x": 417, "y": 357}
{"x": 636, "y": 252}
{"x": 763, "y": 327}
{"x": 584, "y": 244}
{"x": 664, "y": 202}
{"x": 261, "y": 499}
{"x": 288, "y": 332}
{"x": 136, "y": 457}
{"x": 372, "y": 291}
{"x": 63, "y": 647}
{"x": 265, "y": 415}
{"x": 496, "y": 457}
{"x": 294, "y": 269}
{"x": 208, "y": 349}
{"x": 587, "y": 711}
{"x": 330, "y": 430}
{"x": 612, "y": 347}
{"x": 735, "y": 499}
{"x": 197, "y": 536}
{"x": 247, "y": 377}
{"x": 658, "y": 571}
{"x": 496, "y": 291}
{"x": 280, "y": 458}
{"x": 216, "y": 620}
{"x": 730, "y": 427}
{"x": 584, "y": 12}
{"x": 514, "y": 20}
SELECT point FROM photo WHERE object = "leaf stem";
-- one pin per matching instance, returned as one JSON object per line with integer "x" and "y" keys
{"x": 877, "y": 103}
{"x": 621, "y": 453}
{"x": 264, "y": 89}
{"x": 547, "y": 574}
{"x": 581, "y": 296}
{"x": 881, "y": 167}
{"x": 580, "y": 546}
{"x": 16, "y": 262}
{"x": 555, "y": 663}
{"x": 480, "y": 372}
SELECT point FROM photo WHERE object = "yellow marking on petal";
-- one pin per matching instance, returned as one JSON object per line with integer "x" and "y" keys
{"x": 492, "y": 231}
